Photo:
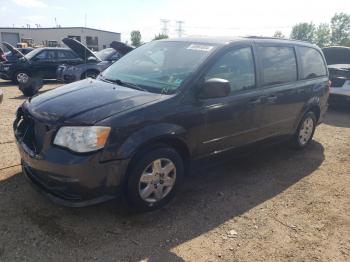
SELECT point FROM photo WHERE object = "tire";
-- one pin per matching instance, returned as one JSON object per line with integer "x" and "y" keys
{"x": 90, "y": 73}
{"x": 305, "y": 131}
{"x": 146, "y": 188}
{"x": 21, "y": 75}
{"x": 28, "y": 92}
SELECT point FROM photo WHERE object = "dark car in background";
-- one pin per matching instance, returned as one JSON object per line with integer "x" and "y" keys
{"x": 135, "y": 129}
{"x": 338, "y": 61}
{"x": 40, "y": 63}
{"x": 13, "y": 53}
{"x": 94, "y": 63}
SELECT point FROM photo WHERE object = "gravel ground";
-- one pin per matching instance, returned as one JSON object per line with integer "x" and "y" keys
{"x": 275, "y": 204}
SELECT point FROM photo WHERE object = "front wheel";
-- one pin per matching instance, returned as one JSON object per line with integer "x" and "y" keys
{"x": 305, "y": 131}
{"x": 154, "y": 179}
{"x": 21, "y": 77}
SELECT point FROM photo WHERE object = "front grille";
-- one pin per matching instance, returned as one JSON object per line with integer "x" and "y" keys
{"x": 337, "y": 82}
{"x": 29, "y": 131}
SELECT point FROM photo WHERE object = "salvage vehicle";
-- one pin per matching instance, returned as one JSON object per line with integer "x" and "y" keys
{"x": 94, "y": 63}
{"x": 14, "y": 54}
{"x": 41, "y": 62}
{"x": 135, "y": 129}
{"x": 338, "y": 61}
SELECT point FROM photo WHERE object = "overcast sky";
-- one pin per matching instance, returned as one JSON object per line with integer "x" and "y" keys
{"x": 219, "y": 17}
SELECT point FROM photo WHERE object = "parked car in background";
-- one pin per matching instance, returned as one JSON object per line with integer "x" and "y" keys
{"x": 135, "y": 128}
{"x": 14, "y": 53}
{"x": 338, "y": 61}
{"x": 41, "y": 62}
{"x": 94, "y": 63}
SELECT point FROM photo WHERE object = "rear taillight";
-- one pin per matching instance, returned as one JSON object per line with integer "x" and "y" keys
{"x": 329, "y": 84}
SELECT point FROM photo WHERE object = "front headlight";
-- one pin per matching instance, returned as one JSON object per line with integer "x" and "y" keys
{"x": 82, "y": 139}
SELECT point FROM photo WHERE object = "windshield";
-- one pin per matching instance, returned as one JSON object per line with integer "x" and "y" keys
{"x": 31, "y": 54}
{"x": 105, "y": 53}
{"x": 159, "y": 66}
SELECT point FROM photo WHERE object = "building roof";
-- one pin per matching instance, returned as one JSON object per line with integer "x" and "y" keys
{"x": 57, "y": 28}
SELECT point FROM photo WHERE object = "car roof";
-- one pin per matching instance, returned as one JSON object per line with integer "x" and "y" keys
{"x": 224, "y": 40}
{"x": 54, "y": 48}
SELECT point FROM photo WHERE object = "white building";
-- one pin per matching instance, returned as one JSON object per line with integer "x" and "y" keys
{"x": 95, "y": 39}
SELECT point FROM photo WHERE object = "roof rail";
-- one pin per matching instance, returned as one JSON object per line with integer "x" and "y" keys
{"x": 275, "y": 38}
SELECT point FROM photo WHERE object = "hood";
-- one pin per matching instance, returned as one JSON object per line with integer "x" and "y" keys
{"x": 82, "y": 51}
{"x": 121, "y": 47}
{"x": 337, "y": 55}
{"x": 85, "y": 102}
{"x": 13, "y": 49}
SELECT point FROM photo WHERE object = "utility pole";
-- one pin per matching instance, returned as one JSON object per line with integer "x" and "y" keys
{"x": 164, "y": 26}
{"x": 180, "y": 31}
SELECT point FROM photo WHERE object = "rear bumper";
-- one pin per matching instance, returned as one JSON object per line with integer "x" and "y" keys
{"x": 72, "y": 180}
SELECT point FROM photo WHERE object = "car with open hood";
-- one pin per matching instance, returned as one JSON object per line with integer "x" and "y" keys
{"x": 338, "y": 61}
{"x": 13, "y": 54}
{"x": 41, "y": 63}
{"x": 135, "y": 129}
{"x": 93, "y": 63}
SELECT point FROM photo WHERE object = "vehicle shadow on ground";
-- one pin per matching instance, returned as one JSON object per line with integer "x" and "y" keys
{"x": 217, "y": 190}
{"x": 338, "y": 116}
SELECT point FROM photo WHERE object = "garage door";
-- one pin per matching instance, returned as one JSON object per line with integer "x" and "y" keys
{"x": 12, "y": 38}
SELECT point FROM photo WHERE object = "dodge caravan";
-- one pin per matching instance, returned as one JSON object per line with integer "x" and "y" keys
{"x": 135, "y": 129}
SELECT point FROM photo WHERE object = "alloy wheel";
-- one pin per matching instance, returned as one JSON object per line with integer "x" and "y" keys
{"x": 157, "y": 180}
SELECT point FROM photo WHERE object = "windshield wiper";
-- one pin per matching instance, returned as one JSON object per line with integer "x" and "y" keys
{"x": 123, "y": 83}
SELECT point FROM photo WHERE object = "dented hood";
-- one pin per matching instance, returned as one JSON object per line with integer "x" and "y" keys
{"x": 86, "y": 102}
{"x": 82, "y": 51}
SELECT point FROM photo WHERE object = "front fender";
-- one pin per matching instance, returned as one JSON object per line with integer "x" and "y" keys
{"x": 145, "y": 135}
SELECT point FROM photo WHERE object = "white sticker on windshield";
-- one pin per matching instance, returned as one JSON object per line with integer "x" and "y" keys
{"x": 197, "y": 47}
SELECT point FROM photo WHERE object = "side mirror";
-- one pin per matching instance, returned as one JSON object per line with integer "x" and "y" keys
{"x": 215, "y": 88}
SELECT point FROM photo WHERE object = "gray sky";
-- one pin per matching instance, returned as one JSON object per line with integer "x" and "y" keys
{"x": 220, "y": 17}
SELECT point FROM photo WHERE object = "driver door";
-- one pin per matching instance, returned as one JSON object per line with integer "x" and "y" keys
{"x": 234, "y": 120}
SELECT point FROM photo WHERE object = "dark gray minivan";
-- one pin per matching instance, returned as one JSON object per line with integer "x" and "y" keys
{"x": 161, "y": 105}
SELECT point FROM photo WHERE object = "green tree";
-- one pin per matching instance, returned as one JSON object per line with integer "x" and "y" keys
{"x": 304, "y": 32}
{"x": 135, "y": 37}
{"x": 340, "y": 24}
{"x": 323, "y": 35}
{"x": 279, "y": 34}
{"x": 160, "y": 36}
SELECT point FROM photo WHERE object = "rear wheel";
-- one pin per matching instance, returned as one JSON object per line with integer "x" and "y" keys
{"x": 305, "y": 131}
{"x": 154, "y": 179}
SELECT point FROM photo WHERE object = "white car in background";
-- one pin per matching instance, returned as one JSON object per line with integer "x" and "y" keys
{"x": 338, "y": 61}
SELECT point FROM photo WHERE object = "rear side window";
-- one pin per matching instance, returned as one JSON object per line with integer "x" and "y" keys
{"x": 237, "y": 67}
{"x": 312, "y": 63}
{"x": 278, "y": 65}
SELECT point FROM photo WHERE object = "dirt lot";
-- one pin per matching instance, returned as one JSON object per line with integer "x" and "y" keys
{"x": 273, "y": 205}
